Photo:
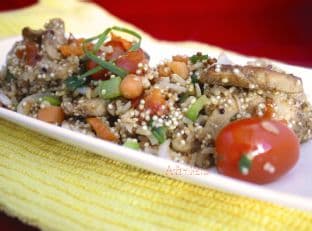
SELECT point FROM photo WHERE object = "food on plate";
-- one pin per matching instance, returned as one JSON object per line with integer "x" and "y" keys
{"x": 103, "y": 86}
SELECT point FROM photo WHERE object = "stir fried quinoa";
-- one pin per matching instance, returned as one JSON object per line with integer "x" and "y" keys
{"x": 104, "y": 87}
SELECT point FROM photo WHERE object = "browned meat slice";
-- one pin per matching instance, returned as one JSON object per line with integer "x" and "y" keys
{"x": 32, "y": 35}
{"x": 245, "y": 91}
{"x": 85, "y": 107}
{"x": 251, "y": 77}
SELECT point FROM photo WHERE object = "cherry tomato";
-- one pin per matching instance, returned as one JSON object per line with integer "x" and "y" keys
{"x": 256, "y": 150}
{"x": 102, "y": 74}
{"x": 119, "y": 48}
{"x": 156, "y": 102}
{"x": 130, "y": 60}
{"x": 125, "y": 43}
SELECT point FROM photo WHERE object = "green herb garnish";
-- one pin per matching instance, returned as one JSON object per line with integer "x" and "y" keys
{"x": 194, "y": 78}
{"x": 193, "y": 111}
{"x": 160, "y": 134}
{"x": 74, "y": 82}
{"x": 53, "y": 100}
{"x": 198, "y": 57}
{"x": 132, "y": 143}
{"x": 136, "y": 45}
{"x": 106, "y": 65}
{"x": 103, "y": 36}
{"x": 244, "y": 164}
{"x": 109, "y": 89}
{"x": 183, "y": 97}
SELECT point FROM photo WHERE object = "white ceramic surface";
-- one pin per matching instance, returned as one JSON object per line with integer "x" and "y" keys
{"x": 293, "y": 190}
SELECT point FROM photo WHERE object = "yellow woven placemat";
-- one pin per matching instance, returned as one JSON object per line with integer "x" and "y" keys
{"x": 55, "y": 186}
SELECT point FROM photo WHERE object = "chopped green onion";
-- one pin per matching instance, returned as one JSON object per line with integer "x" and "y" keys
{"x": 109, "y": 89}
{"x": 193, "y": 111}
{"x": 106, "y": 65}
{"x": 244, "y": 164}
{"x": 135, "y": 46}
{"x": 194, "y": 78}
{"x": 92, "y": 38}
{"x": 183, "y": 97}
{"x": 74, "y": 82}
{"x": 91, "y": 72}
{"x": 53, "y": 100}
{"x": 101, "y": 39}
{"x": 128, "y": 31}
{"x": 160, "y": 134}
{"x": 132, "y": 143}
{"x": 198, "y": 57}
{"x": 150, "y": 123}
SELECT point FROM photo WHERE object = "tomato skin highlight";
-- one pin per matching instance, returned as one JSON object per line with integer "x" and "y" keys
{"x": 118, "y": 50}
{"x": 130, "y": 60}
{"x": 270, "y": 146}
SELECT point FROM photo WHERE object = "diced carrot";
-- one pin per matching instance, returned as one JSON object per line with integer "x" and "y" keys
{"x": 30, "y": 54}
{"x": 101, "y": 129}
{"x": 125, "y": 43}
{"x": 73, "y": 48}
{"x": 179, "y": 68}
{"x": 51, "y": 114}
{"x": 156, "y": 102}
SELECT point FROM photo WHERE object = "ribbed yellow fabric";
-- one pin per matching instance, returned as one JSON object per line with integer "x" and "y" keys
{"x": 55, "y": 186}
{"x": 59, "y": 187}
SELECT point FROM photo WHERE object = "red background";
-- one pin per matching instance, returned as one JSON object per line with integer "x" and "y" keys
{"x": 278, "y": 29}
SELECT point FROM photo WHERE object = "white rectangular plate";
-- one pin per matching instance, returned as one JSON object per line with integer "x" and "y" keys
{"x": 293, "y": 190}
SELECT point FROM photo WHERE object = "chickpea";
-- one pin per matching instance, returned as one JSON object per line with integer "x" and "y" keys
{"x": 179, "y": 68}
{"x": 131, "y": 87}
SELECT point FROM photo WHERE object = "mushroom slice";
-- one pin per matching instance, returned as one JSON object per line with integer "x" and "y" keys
{"x": 251, "y": 77}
